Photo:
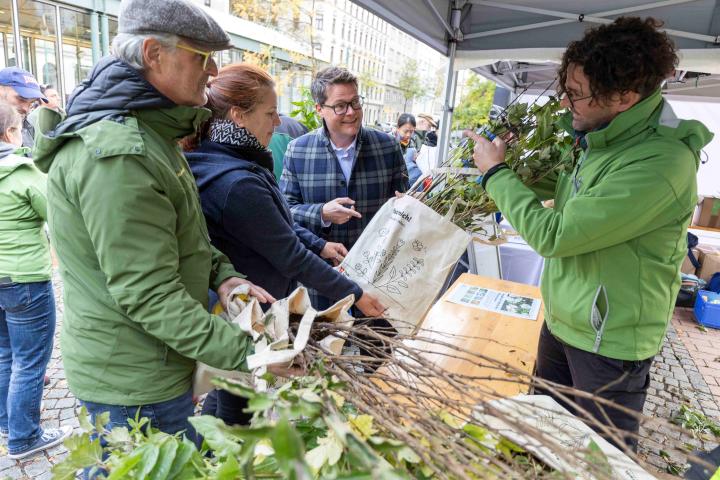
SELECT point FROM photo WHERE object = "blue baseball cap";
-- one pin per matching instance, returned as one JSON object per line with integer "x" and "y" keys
{"x": 22, "y": 82}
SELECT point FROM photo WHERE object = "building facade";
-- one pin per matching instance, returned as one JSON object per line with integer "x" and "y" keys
{"x": 378, "y": 53}
{"x": 60, "y": 41}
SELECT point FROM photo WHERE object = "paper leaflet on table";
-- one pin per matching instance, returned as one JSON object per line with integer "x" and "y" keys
{"x": 270, "y": 336}
{"x": 541, "y": 413}
{"x": 495, "y": 301}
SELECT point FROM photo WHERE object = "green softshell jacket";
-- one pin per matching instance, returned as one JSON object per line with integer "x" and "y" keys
{"x": 135, "y": 257}
{"x": 616, "y": 237}
{"x": 24, "y": 248}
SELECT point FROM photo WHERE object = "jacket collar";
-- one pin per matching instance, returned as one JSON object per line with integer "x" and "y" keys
{"x": 625, "y": 125}
{"x": 176, "y": 122}
{"x": 325, "y": 136}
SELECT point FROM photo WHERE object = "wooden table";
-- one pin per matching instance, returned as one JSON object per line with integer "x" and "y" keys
{"x": 502, "y": 338}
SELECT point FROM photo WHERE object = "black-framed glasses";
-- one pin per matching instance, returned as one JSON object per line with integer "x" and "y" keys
{"x": 573, "y": 100}
{"x": 342, "y": 107}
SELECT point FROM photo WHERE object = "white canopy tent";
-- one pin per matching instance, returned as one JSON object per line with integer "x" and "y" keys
{"x": 518, "y": 43}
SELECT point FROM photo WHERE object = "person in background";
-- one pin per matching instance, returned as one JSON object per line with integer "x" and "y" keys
{"x": 616, "y": 236}
{"x": 284, "y": 133}
{"x": 248, "y": 218}
{"x": 404, "y": 134}
{"x": 337, "y": 177}
{"x": 53, "y": 98}
{"x": 53, "y": 102}
{"x": 127, "y": 225}
{"x": 27, "y": 301}
{"x": 19, "y": 89}
{"x": 426, "y": 131}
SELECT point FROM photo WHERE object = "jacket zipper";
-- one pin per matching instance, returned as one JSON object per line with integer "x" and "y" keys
{"x": 599, "y": 331}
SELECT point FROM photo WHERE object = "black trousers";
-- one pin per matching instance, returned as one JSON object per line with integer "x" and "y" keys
{"x": 227, "y": 407}
{"x": 620, "y": 381}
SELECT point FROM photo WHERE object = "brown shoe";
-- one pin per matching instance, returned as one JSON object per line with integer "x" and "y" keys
{"x": 46, "y": 381}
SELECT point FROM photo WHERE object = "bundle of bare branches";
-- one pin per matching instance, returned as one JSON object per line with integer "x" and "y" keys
{"x": 444, "y": 402}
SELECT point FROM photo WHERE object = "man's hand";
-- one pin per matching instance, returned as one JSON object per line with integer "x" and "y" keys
{"x": 229, "y": 285}
{"x": 335, "y": 252}
{"x": 336, "y": 212}
{"x": 487, "y": 154}
{"x": 370, "y": 305}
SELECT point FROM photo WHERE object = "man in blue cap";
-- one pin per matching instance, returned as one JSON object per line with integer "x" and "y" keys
{"x": 19, "y": 89}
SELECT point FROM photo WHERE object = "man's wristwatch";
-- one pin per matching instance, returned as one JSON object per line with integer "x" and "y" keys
{"x": 493, "y": 170}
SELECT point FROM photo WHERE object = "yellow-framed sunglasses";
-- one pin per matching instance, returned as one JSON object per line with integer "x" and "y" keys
{"x": 206, "y": 55}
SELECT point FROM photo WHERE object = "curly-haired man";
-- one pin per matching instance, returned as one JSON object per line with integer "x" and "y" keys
{"x": 615, "y": 238}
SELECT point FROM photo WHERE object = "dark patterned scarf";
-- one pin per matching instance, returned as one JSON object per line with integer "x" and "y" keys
{"x": 245, "y": 143}
{"x": 226, "y": 132}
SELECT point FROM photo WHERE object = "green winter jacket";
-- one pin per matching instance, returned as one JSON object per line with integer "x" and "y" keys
{"x": 616, "y": 237}
{"x": 24, "y": 248}
{"x": 134, "y": 251}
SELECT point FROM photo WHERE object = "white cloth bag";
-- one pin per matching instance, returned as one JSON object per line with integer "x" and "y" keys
{"x": 404, "y": 256}
{"x": 270, "y": 336}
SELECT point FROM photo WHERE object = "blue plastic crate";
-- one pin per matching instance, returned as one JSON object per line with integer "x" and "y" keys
{"x": 707, "y": 313}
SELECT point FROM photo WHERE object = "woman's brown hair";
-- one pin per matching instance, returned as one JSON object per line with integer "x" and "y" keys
{"x": 9, "y": 117}
{"x": 238, "y": 85}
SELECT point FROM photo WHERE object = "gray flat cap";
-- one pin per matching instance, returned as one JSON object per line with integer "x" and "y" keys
{"x": 179, "y": 17}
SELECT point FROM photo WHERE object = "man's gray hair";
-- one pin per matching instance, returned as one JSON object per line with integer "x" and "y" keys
{"x": 128, "y": 46}
{"x": 327, "y": 77}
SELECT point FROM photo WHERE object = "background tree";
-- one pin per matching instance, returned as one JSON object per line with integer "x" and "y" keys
{"x": 295, "y": 18}
{"x": 474, "y": 106}
{"x": 409, "y": 83}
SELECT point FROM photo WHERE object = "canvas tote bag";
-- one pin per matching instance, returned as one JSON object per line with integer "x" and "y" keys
{"x": 404, "y": 256}
{"x": 270, "y": 334}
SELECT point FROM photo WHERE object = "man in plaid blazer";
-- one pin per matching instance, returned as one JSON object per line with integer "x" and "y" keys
{"x": 337, "y": 177}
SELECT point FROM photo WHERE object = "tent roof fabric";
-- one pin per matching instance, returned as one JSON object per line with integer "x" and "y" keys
{"x": 519, "y": 42}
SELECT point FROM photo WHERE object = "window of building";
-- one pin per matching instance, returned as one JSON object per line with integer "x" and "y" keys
{"x": 8, "y": 58}
{"x": 76, "y": 47}
{"x": 38, "y": 40}
{"x": 319, "y": 21}
{"x": 113, "y": 28}
{"x": 333, "y": 25}
{"x": 332, "y": 54}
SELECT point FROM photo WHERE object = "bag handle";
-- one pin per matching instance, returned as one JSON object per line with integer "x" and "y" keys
{"x": 453, "y": 206}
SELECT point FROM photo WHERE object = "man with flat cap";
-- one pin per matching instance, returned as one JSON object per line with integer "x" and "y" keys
{"x": 20, "y": 90}
{"x": 125, "y": 219}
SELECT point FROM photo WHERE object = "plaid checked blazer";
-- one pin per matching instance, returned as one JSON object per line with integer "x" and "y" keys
{"x": 312, "y": 176}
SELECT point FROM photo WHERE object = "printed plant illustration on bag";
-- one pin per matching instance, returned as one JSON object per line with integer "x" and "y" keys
{"x": 399, "y": 278}
{"x": 388, "y": 277}
{"x": 387, "y": 260}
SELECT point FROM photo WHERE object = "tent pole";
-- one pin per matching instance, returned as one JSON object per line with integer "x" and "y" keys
{"x": 448, "y": 104}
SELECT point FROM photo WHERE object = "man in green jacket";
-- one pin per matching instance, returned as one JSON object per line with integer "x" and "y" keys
{"x": 125, "y": 219}
{"x": 615, "y": 239}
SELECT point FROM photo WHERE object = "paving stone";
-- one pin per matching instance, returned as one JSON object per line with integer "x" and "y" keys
{"x": 54, "y": 423}
{"x": 671, "y": 381}
{"x": 67, "y": 413}
{"x": 672, "y": 362}
{"x": 5, "y": 462}
{"x": 65, "y": 403}
{"x": 12, "y": 472}
{"x": 57, "y": 393}
{"x": 38, "y": 465}
{"x": 73, "y": 422}
{"x": 49, "y": 414}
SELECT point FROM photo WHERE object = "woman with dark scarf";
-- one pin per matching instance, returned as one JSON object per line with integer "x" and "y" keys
{"x": 404, "y": 133}
{"x": 247, "y": 216}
